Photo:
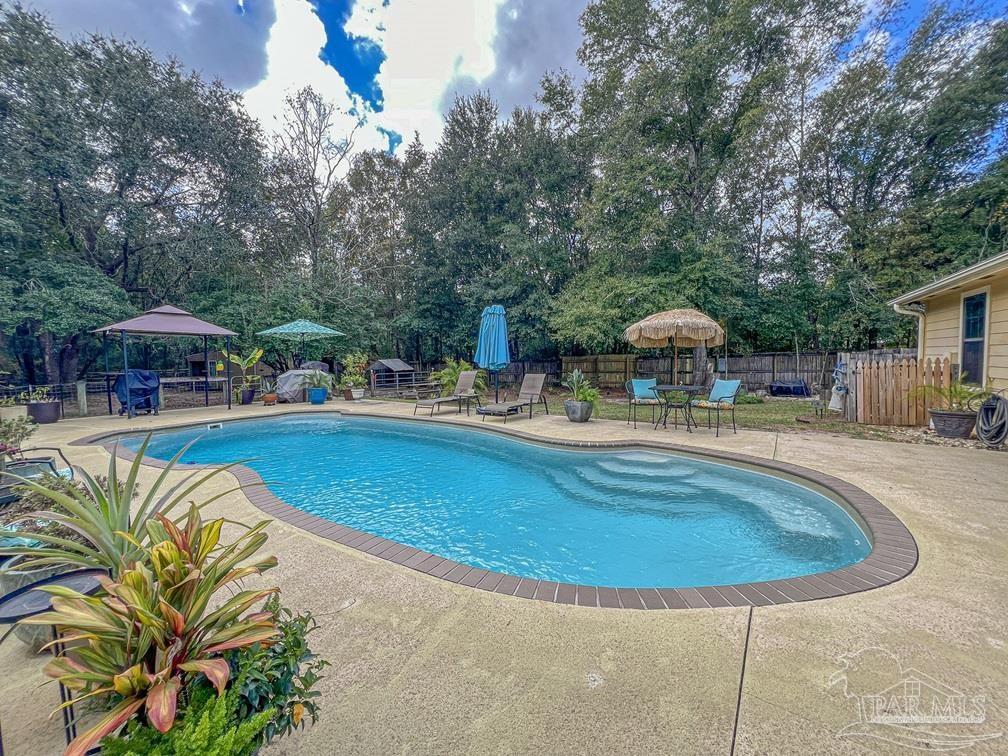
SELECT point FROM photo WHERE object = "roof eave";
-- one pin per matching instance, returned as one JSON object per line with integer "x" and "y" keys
{"x": 988, "y": 267}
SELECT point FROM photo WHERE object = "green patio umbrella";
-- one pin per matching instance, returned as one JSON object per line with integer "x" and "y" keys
{"x": 303, "y": 330}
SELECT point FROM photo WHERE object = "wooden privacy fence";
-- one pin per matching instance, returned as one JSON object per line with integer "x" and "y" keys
{"x": 890, "y": 393}
{"x": 756, "y": 371}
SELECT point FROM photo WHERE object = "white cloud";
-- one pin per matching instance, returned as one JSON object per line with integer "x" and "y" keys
{"x": 427, "y": 45}
{"x": 293, "y": 49}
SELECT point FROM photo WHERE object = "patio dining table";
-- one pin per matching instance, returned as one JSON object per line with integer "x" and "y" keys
{"x": 666, "y": 393}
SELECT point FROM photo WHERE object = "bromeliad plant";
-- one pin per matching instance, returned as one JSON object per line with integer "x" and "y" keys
{"x": 100, "y": 512}
{"x": 582, "y": 390}
{"x": 152, "y": 632}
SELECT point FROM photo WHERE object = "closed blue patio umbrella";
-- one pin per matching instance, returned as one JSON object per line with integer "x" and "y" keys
{"x": 492, "y": 348}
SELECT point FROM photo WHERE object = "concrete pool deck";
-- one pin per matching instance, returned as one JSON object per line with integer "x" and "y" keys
{"x": 423, "y": 665}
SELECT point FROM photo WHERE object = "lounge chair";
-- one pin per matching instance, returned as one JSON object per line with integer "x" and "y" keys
{"x": 530, "y": 394}
{"x": 464, "y": 392}
{"x": 27, "y": 463}
{"x": 640, "y": 391}
{"x": 720, "y": 399}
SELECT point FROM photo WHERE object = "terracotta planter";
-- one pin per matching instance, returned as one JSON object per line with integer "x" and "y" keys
{"x": 269, "y": 399}
{"x": 11, "y": 579}
{"x": 953, "y": 423}
{"x": 348, "y": 394}
{"x": 44, "y": 412}
{"x": 13, "y": 413}
{"x": 578, "y": 412}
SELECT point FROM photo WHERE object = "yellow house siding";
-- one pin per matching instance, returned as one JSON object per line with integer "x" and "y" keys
{"x": 997, "y": 354}
{"x": 941, "y": 329}
{"x": 943, "y": 326}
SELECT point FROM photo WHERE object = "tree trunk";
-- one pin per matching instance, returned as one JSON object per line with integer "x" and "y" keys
{"x": 50, "y": 357}
{"x": 701, "y": 370}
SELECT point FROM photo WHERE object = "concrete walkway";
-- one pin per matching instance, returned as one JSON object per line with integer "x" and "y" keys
{"x": 425, "y": 666}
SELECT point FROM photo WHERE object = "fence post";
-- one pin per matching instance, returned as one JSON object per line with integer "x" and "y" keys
{"x": 82, "y": 398}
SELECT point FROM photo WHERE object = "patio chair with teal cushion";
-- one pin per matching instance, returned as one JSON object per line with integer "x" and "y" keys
{"x": 721, "y": 399}
{"x": 640, "y": 391}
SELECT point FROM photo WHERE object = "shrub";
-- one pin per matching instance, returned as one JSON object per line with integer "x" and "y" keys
{"x": 448, "y": 376}
{"x": 210, "y": 726}
{"x": 280, "y": 675}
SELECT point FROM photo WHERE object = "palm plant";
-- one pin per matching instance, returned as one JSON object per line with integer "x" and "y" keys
{"x": 151, "y": 632}
{"x": 957, "y": 396}
{"x": 448, "y": 376}
{"x": 99, "y": 511}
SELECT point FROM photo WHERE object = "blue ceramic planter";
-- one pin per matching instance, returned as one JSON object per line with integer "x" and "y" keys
{"x": 317, "y": 395}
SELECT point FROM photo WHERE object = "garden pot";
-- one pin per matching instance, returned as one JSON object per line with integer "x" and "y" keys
{"x": 269, "y": 399}
{"x": 317, "y": 395}
{"x": 578, "y": 412}
{"x": 357, "y": 393}
{"x": 13, "y": 413}
{"x": 348, "y": 394}
{"x": 44, "y": 412}
{"x": 953, "y": 423}
{"x": 247, "y": 395}
{"x": 11, "y": 579}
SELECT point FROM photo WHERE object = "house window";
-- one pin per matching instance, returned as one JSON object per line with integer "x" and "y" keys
{"x": 974, "y": 331}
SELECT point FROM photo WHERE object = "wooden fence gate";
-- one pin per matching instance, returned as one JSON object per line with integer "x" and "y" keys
{"x": 891, "y": 393}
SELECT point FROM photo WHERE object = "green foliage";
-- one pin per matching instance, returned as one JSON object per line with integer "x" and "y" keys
{"x": 211, "y": 725}
{"x": 581, "y": 388}
{"x": 280, "y": 676}
{"x": 448, "y": 376}
{"x": 103, "y": 512}
{"x": 354, "y": 365}
{"x": 15, "y": 432}
{"x": 318, "y": 379}
{"x": 37, "y": 394}
{"x": 152, "y": 630}
{"x": 244, "y": 363}
{"x": 958, "y": 395}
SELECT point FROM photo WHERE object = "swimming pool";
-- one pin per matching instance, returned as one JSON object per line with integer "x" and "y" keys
{"x": 630, "y": 518}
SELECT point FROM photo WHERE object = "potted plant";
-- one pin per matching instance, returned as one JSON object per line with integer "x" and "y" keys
{"x": 42, "y": 408}
{"x": 10, "y": 409}
{"x": 246, "y": 394}
{"x": 318, "y": 385}
{"x": 269, "y": 395}
{"x": 13, "y": 433}
{"x": 352, "y": 381}
{"x": 957, "y": 403}
{"x": 585, "y": 398}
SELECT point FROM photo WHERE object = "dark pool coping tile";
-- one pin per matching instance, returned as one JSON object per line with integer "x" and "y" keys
{"x": 894, "y": 553}
{"x": 630, "y": 598}
{"x": 546, "y": 590}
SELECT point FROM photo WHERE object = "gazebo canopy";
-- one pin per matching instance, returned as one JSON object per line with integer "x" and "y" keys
{"x": 166, "y": 321}
{"x": 304, "y": 330}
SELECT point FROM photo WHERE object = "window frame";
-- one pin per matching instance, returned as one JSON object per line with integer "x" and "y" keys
{"x": 986, "y": 337}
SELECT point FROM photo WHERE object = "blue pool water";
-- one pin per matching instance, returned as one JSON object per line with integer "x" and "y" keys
{"x": 624, "y": 518}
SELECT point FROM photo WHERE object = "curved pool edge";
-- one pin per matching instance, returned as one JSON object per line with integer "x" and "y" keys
{"x": 894, "y": 553}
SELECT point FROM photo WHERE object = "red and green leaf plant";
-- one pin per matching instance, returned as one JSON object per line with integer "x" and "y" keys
{"x": 151, "y": 632}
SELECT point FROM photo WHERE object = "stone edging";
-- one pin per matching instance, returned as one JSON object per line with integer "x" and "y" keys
{"x": 893, "y": 556}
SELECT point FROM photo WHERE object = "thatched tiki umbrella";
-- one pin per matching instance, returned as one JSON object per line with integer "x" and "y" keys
{"x": 686, "y": 328}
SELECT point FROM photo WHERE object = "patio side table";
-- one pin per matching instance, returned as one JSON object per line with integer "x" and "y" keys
{"x": 665, "y": 392}
{"x": 27, "y": 602}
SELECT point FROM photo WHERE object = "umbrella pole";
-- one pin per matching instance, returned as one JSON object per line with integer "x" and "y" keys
{"x": 497, "y": 386}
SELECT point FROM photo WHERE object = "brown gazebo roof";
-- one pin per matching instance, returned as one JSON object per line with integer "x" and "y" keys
{"x": 167, "y": 321}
